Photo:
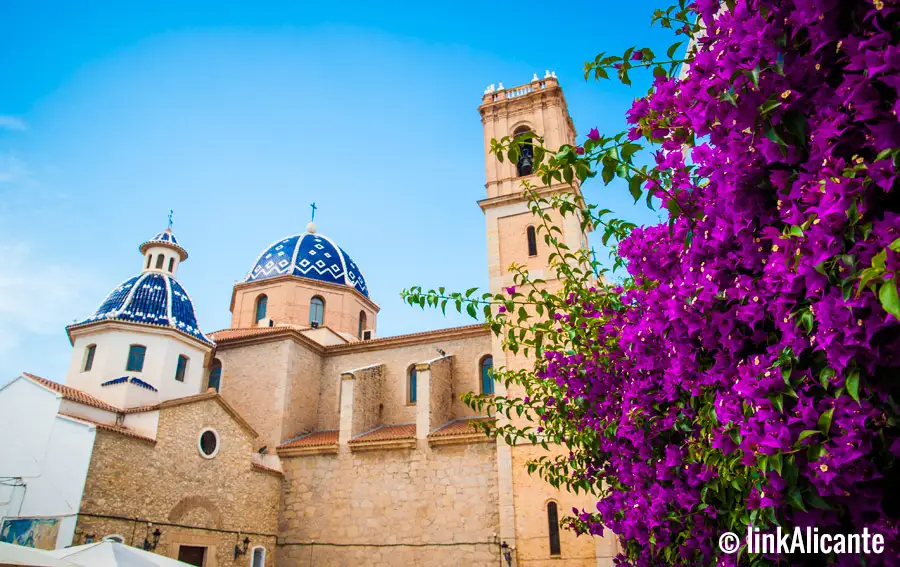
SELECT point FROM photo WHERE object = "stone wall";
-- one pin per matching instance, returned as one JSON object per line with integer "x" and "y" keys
{"x": 303, "y": 383}
{"x": 368, "y": 388}
{"x": 425, "y": 506}
{"x": 191, "y": 499}
{"x": 466, "y": 353}
{"x": 442, "y": 394}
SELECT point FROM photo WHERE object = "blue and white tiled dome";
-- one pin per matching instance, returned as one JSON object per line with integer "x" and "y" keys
{"x": 153, "y": 299}
{"x": 167, "y": 239}
{"x": 309, "y": 255}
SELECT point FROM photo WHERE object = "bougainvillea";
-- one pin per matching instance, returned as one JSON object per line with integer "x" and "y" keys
{"x": 746, "y": 370}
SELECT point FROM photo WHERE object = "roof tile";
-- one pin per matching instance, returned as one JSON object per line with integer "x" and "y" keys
{"x": 72, "y": 394}
{"x": 113, "y": 428}
{"x": 314, "y": 439}
{"x": 460, "y": 427}
{"x": 387, "y": 433}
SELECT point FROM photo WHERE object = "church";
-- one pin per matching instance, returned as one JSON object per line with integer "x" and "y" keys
{"x": 298, "y": 435}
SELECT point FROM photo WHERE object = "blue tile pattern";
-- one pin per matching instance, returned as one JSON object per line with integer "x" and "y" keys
{"x": 134, "y": 380}
{"x": 310, "y": 256}
{"x": 152, "y": 299}
{"x": 165, "y": 237}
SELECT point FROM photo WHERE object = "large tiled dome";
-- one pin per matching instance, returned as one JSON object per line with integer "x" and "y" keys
{"x": 308, "y": 255}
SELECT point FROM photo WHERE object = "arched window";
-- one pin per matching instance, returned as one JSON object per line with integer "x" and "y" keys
{"x": 411, "y": 385}
{"x": 532, "y": 241}
{"x": 316, "y": 311}
{"x": 136, "y": 358}
{"x": 258, "y": 557}
{"x": 89, "y": 353}
{"x": 526, "y": 157}
{"x": 362, "y": 324}
{"x": 215, "y": 375}
{"x": 261, "y": 303}
{"x": 181, "y": 368}
{"x": 159, "y": 261}
{"x": 149, "y": 259}
{"x": 487, "y": 374}
{"x": 171, "y": 264}
{"x": 553, "y": 524}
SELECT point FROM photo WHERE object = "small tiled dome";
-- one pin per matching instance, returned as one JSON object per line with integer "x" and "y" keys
{"x": 167, "y": 239}
{"x": 152, "y": 299}
{"x": 309, "y": 255}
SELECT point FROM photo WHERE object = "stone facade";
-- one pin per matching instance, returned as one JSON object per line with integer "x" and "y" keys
{"x": 421, "y": 506}
{"x": 135, "y": 486}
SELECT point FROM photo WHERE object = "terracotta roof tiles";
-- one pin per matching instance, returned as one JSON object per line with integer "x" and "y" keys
{"x": 460, "y": 427}
{"x": 314, "y": 439}
{"x": 72, "y": 394}
{"x": 241, "y": 333}
{"x": 387, "y": 433}
{"x": 112, "y": 428}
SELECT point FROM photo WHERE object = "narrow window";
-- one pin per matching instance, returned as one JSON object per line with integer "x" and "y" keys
{"x": 487, "y": 375}
{"x": 89, "y": 357}
{"x": 136, "y": 358}
{"x": 181, "y": 369}
{"x": 259, "y": 557}
{"x": 525, "y": 165}
{"x": 171, "y": 264}
{"x": 149, "y": 259}
{"x": 411, "y": 390}
{"x": 316, "y": 311}
{"x": 553, "y": 521}
{"x": 261, "y": 303}
{"x": 215, "y": 375}
{"x": 532, "y": 241}
{"x": 159, "y": 261}
{"x": 362, "y": 324}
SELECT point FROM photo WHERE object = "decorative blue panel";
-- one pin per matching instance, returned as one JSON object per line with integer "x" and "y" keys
{"x": 312, "y": 256}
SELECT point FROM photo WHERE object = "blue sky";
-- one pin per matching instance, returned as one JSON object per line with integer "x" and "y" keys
{"x": 238, "y": 115}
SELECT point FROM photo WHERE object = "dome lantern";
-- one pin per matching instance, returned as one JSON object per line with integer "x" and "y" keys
{"x": 162, "y": 253}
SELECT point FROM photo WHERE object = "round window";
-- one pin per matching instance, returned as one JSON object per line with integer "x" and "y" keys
{"x": 208, "y": 443}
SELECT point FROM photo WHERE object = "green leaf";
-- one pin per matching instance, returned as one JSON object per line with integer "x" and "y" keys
{"x": 634, "y": 187}
{"x": 825, "y": 376}
{"x": 470, "y": 309}
{"x": 887, "y": 295}
{"x": 824, "y": 423}
{"x": 853, "y": 384}
{"x": 796, "y": 499}
{"x": 673, "y": 48}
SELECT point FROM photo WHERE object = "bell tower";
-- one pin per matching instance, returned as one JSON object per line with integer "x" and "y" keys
{"x": 512, "y": 234}
{"x": 529, "y": 507}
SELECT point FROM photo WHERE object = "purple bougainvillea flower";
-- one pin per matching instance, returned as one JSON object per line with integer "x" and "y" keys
{"x": 594, "y": 134}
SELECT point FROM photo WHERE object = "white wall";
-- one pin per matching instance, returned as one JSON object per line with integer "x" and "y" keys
{"x": 168, "y": 254}
{"x": 163, "y": 348}
{"x": 47, "y": 453}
